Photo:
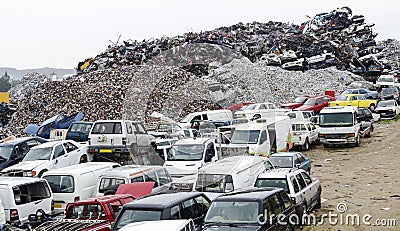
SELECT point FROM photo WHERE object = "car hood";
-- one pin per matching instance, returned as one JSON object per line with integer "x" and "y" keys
{"x": 26, "y": 165}
{"x": 182, "y": 167}
{"x": 385, "y": 108}
{"x": 291, "y": 105}
{"x": 305, "y": 108}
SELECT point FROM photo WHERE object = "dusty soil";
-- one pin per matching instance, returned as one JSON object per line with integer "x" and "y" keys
{"x": 365, "y": 178}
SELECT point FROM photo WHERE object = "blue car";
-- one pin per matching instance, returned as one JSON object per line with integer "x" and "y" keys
{"x": 291, "y": 160}
{"x": 368, "y": 93}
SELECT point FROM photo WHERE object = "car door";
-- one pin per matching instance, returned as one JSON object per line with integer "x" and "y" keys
{"x": 59, "y": 159}
{"x": 305, "y": 192}
{"x": 312, "y": 188}
{"x": 143, "y": 139}
{"x": 313, "y": 132}
{"x": 319, "y": 104}
{"x": 295, "y": 190}
{"x": 352, "y": 101}
{"x": 72, "y": 154}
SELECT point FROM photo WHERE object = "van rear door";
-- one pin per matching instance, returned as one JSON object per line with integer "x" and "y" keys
{"x": 107, "y": 133}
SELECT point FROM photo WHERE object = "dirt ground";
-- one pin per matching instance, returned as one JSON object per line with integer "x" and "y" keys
{"x": 365, "y": 179}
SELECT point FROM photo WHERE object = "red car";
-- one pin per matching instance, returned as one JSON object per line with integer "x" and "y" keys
{"x": 296, "y": 103}
{"x": 238, "y": 106}
{"x": 315, "y": 103}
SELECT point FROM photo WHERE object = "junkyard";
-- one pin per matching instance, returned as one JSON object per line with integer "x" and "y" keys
{"x": 253, "y": 126}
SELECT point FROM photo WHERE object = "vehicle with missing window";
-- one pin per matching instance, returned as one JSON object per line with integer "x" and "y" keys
{"x": 109, "y": 181}
{"x": 250, "y": 209}
{"x": 22, "y": 196}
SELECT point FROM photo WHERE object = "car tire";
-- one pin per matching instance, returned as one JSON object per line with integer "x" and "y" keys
{"x": 306, "y": 145}
{"x": 256, "y": 117}
{"x": 309, "y": 171}
{"x": 83, "y": 159}
{"x": 357, "y": 144}
{"x": 326, "y": 145}
{"x": 371, "y": 107}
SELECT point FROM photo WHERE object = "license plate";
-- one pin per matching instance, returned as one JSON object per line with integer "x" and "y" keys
{"x": 105, "y": 151}
{"x": 57, "y": 205}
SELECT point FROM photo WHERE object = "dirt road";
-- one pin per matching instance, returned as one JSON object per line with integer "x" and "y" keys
{"x": 365, "y": 179}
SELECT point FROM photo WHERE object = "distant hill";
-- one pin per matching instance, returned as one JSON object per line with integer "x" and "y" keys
{"x": 17, "y": 74}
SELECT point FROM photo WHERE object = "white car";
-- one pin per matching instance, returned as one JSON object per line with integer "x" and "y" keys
{"x": 304, "y": 134}
{"x": 304, "y": 191}
{"x": 388, "y": 109}
{"x": 47, "y": 156}
{"x": 258, "y": 110}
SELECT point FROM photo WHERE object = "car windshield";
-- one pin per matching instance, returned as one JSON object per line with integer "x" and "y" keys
{"x": 245, "y": 136}
{"x": 341, "y": 98}
{"x": 299, "y": 127}
{"x": 80, "y": 127}
{"x": 210, "y": 183}
{"x": 387, "y": 103}
{"x": 336, "y": 119}
{"x": 186, "y": 152}
{"x": 388, "y": 91}
{"x": 60, "y": 184}
{"x": 250, "y": 107}
{"x": 348, "y": 91}
{"x": 310, "y": 102}
{"x": 282, "y": 161}
{"x": 233, "y": 212}
{"x": 273, "y": 182}
{"x": 38, "y": 154}
{"x": 107, "y": 128}
{"x": 239, "y": 121}
{"x": 385, "y": 80}
{"x": 5, "y": 151}
{"x": 86, "y": 212}
{"x": 300, "y": 99}
{"x": 128, "y": 216}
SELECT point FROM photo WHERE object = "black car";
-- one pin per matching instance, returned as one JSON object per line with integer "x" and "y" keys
{"x": 12, "y": 151}
{"x": 164, "y": 206}
{"x": 364, "y": 114}
{"x": 251, "y": 209}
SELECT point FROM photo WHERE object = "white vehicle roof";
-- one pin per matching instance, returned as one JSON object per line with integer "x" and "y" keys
{"x": 261, "y": 123}
{"x": 14, "y": 181}
{"x": 279, "y": 173}
{"x": 189, "y": 141}
{"x": 338, "y": 109}
{"x": 129, "y": 171}
{"x": 164, "y": 225}
{"x": 51, "y": 144}
{"x": 80, "y": 168}
{"x": 230, "y": 164}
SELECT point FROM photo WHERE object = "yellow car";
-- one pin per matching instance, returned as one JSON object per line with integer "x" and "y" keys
{"x": 354, "y": 100}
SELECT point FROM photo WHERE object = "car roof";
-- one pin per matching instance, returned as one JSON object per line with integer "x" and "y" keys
{"x": 50, "y": 144}
{"x": 13, "y": 181}
{"x": 20, "y": 140}
{"x": 279, "y": 173}
{"x": 163, "y": 200}
{"x": 339, "y": 109}
{"x": 189, "y": 141}
{"x": 249, "y": 194}
{"x": 227, "y": 165}
{"x": 82, "y": 122}
{"x": 130, "y": 170}
{"x": 81, "y": 168}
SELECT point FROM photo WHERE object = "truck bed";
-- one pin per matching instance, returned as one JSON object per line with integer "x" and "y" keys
{"x": 73, "y": 225}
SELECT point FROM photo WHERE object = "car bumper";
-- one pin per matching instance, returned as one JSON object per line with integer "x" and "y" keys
{"x": 350, "y": 140}
{"x": 108, "y": 149}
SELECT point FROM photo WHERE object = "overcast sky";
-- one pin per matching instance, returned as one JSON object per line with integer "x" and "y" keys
{"x": 60, "y": 33}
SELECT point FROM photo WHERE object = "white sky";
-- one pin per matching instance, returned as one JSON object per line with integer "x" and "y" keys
{"x": 60, "y": 33}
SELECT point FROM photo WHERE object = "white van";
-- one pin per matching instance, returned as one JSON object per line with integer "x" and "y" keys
{"x": 165, "y": 225}
{"x": 22, "y": 196}
{"x": 221, "y": 115}
{"x": 263, "y": 137}
{"x": 74, "y": 183}
{"x": 110, "y": 180}
{"x": 229, "y": 174}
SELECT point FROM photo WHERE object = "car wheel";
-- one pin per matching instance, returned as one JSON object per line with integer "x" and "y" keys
{"x": 41, "y": 173}
{"x": 256, "y": 117}
{"x": 326, "y": 145}
{"x": 372, "y": 107}
{"x": 306, "y": 145}
{"x": 83, "y": 159}
{"x": 309, "y": 171}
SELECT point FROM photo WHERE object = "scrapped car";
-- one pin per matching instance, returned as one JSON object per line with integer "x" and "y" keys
{"x": 47, "y": 156}
{"x": 300, "y": 115}
{"x": 388, "y": 109}
{"x": 385, "y": 81}
{"x": 291, "y": 160}
{"x": 304, "y": 191}
{"x": 296, "y": 102}
{"x": 305, "y": 133}
{"x": 364, "y": 114}
{"x": 256, "y": 110}
{"x": 79, "y": 131}
{"x": 390, "y": 93}
{"x": 368, "y": 93}
{"x": 356, "y": 100}
{"x": 167, "y": 130}
{"x": 250, "y": 209}
{"x": 12, "y": 151}
{"x": 316, "y": 103}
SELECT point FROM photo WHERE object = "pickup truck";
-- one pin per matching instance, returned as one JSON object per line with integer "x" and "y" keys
{"x": 89, "y": 215}
{"x": 356, "y": 100}
{"x": 305, "y": 133}
{"x": 339, "y": 125}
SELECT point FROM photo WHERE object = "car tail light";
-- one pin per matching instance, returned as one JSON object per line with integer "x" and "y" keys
{"x": 293, "y": 200}
{"x": 52, "y": 205}
{"x": 76, "y": 198}
{"x": 124, "y": 141}
{"x": 66, "y": 135}
{"x": 321, "y": 135}
{"x": 91, "y": 150}
{"x": 14, "y": 215}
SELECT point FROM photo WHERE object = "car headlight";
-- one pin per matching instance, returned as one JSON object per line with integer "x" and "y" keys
{"x": 27, "y": 173}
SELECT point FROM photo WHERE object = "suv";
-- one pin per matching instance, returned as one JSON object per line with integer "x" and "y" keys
{"x": 79, "y": 131}
{"x": 304, "y": 191}
{"x": 116, "y": 140}
{"x": 250, "y": 209}
{"x": 12, "y": 152}
{"x": 166, "y": 206}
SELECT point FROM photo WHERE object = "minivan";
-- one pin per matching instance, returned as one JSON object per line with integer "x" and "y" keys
{"x": 22, "y": 196}
{"x": 164, "y": 206}
{"x": 74, "y": 183}
{"x": 110, "y": 180}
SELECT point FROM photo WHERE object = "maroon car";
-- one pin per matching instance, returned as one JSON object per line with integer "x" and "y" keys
{"x": 315, "y": 103}
{"x": 296, "y": 103}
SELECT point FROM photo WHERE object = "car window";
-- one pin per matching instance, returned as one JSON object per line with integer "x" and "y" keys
{"x": 352, "y": 98}
{"x": 267, "y": 209}
{"x": 189, "y": 209}
{"x": 202, "y": 204}
{"x": 69, "y": 147}
{"x": 300, "y": 157}
{"x": 296, "y": 187}
{"x": 262, "y": 106}
{"x": 28, "y": 193}
{"x": 58, "y": 151}
{"x": 301, "y": 181}
{"x": 362, "y": 91}
{"x": 296, "y": 160}
{"x": 163, "y": 177}
{"x": 128, "y": 127}
{"x": 151, "y": 177}
{"x": 263, "y": 137}
{"x": 140, "y": 128}
{"x": 327, "y": 99}
{"x": 285, "y": 199}
{"x": 276, "y": 205}
{"x": 110, "y": 184}
{"x": 268, "y": 165}
{"x": 361, "y": 97}
{"x": 306, "y": 178}
{"x": 114, "y": 207}
{"x": 308, "y": 127}
{"x": 176, "y": 213}
{"x": 21, "y": 149}
{"x": 137, "y": 179}
{"x": 32, "y": 143}
{"x": 306, "y": 115}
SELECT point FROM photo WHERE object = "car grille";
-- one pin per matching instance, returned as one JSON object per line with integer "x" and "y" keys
{"x": 335, "y": 136}
{"x": 14, "y": 173}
